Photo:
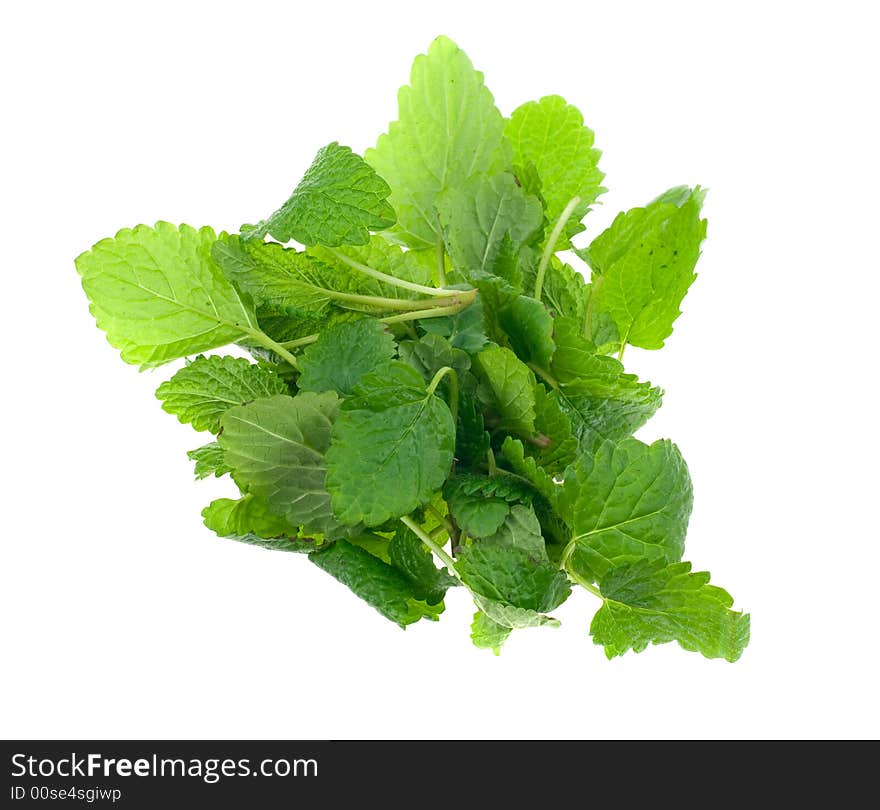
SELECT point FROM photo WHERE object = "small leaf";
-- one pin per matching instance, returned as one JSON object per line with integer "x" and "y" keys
{"x": 649, "y": 602}
{"x": 209, "y": 461}
{"x": 203, "y": 390}
{"x": 512, "y": 388}
{"x": 338, "y": 202}
{"x": 343, "y": 354}
{"x": 379, "y": 584}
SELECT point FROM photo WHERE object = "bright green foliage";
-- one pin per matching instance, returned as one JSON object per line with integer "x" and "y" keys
{"x": 392, "y": 447}
{"x": 159, "y": 295}
{"x": 250, "y": 520}
{"x": 594, "y": 391}
{"x": 410, "y": 556}
{"x": 643, "y": 265}
{"x": 376, "y": 582}
{"x": 510, "y": 387}
{"x": 652, "y": 603}
{"x": 448, "y": 131}
{"x": 626, "y": 501}
{"x": 487, "y": 633}
{"x": 276, "y": 450}
{"x": 476, "y": 218}
{"x": 433, "y": 401}
{"x": 209, "y": 461}
{"x": 480, "y": 504}
{"x": 343, "y": 354}
{"x": 204, "y": 389}
{"x": 338, "y": 202}
{"x": 550, "y": 135}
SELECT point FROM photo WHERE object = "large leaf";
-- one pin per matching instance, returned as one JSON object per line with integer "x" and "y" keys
{"x": 343, "y": 354}
{"x": 338, "y": 202}
{"x": 653, "y": 603}
{"x": 550, "y": 135}
{"x": 376, "y": 582}
{"x": 448, "y": 131}
{"x": 159, "y": 295}
{"x": 276, "y": 449}
{"x": 392, "y": 447}
{"x": 643, "y": 266}
{"x": 204, "y": 389}
{"x": 625, "y": 502}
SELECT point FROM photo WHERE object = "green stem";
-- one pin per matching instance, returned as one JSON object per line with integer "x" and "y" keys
{"x": 384, "y": 277}
{"x": 435, "y": 380}
{"x": 435, "y": 549}
{"x": 380, "y": 302}
{"x": 264, "y": 340}
{"x": 551, "y": 243}
{"x": 447, "y": 525}
{"x": 620, "y": 353}
{"x": 574, "y": 576}
{"x": 303, "y": 341}
{"x": 463, "y": 300}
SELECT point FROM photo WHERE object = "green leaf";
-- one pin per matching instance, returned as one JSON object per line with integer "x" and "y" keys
{"x": 512, "y": 388}
{"x": 594, "y": 391}
{"x": 624, "y": 502}
{"x": 343, "y": 354}
{"x": 379, "y": 584}
{"x": 512, "y": 617}
{"x": 276, "y": 449}
{"x": 409, "y": 555}
{"x": 488, "y": 634}
{"x": 338, "y": 202}
{"x": 392, "y": 447}
{"x": 512, "y": 576}
{"x": 248, "y": 520}
{"x": 527, "y": 467}
{"x": 651, "y": 603}
{"x": 564, "y": 291}
{"x": 477, "y": 216}
{"x": 520, "y": 529}
{"x": 465, "y": 330}
{"x": 529, "y": 328}
{"x": 204, "y": 389}
{"x": 480, "y": 504}
{"x": 209, "y": 461}
{"x": 550, "y": 134}
{"x": 448, "y": 131}
{"x": 643, "y": 266}
{"x": 559, "y": 444}
{"x": 471, "y": 440}
{"x": 280, "y": 279}
{"x": 159, "y": 295}
{"x": 431, "y": 353}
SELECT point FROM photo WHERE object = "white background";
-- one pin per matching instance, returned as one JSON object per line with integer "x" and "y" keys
{"x": 123, "y": 617}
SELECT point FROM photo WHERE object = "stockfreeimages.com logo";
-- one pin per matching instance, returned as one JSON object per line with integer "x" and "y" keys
{"x": 209, "y": 770}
